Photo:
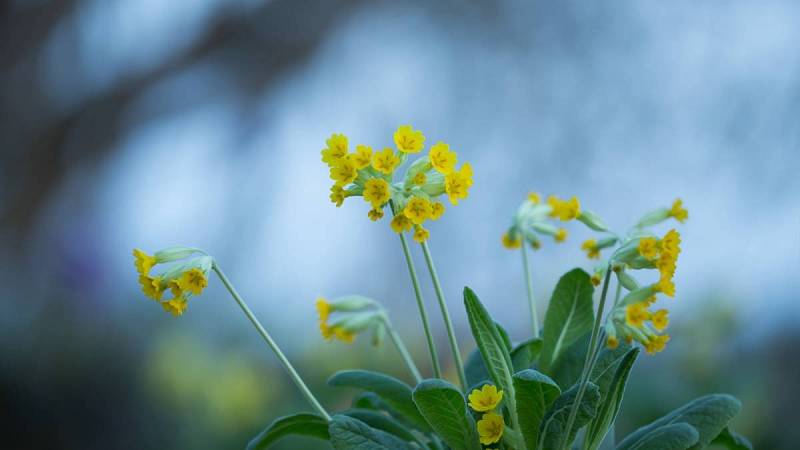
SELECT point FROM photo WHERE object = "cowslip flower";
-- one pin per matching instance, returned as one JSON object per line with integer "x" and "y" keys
{"x": 457, "y": 183}
{"x": 590, "y": 246}
{"x": 418, "y": 210}
{"x": 442, "y": 159}
{"x": 490, "y": 428}
{"x": 409, "y": 140}
{"x": 353, "y": 314}
{"x": 678, "y": 211}
{"x": 385, "y": 161}
{"x": 362, "y": 158}
{"x": 534, "y": 219}
{"x": 336, "y": 150}
{"x": 487, "y": 398}
{"x": 186, "y": 278}
{"x": 421, "y": 234}
{"x": 377, "y": 192}
{"x": 564, "y": 210}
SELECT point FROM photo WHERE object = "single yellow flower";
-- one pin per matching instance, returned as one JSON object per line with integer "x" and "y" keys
{"x": 590, "y": 246}
{"x": 343, "y": 172}
{"x": 375, "y": 214}
{"x": 385, "y": 161}
{"x": 377, "y": 192}
{"x": 671, "y": 243}
{"x": 636, "y": 314}
{"x": 421, "y": 234}
{"x": 362, "y": 157}
{"x": 648, "y": 247}
{"x": 400, "y": 223}
{"x": 660, "y": 319}
{"x": 343, "y": 335}
{"x": 143, "y": 261}
{"x": 408, "y": 140}
{"x": 534, "y": 198}
{"x": 337, "y": 195}
{"x": 323, "y": 308}
{"x": 656, "y": 344}
{"x": 325, "y": 330}
{"x": 194, "y": 281}
{"x": 442, "y": 159}
{"x": 678, "y": 211}
{"x": 437, "y": 209}
{"x": 490, "y": 428}
{"x": 151, "y": 286}
{"x": 420, "y": 179}
{"x": 175, "y": 306}
{"x": 612, "y": 342}
{"x": 418, "y": 210}
{"x": 457, "y": 183}
{"x": 486, "y": 398}
{"x": 337, "y": 149}
{"x": 666, "y": 286}
{"x": 174, "y": 286}
{"x": 561, "y": 235}
{"x": 511, "y": 242}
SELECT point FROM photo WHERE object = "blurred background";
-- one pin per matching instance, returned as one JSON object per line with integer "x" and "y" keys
{"x": 145, "y": 123}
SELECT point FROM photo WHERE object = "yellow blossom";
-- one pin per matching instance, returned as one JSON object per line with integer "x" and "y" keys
{"x": 343, "y": 172}
{"x": 561, "y": 235}
{"x": 511, "y": 242}
{"x": 590, "y": 246}
{"x": 564, "y": 209}
{"x": 678, "y": 211}
{"x": 175, "y": 306}
{"x": 648, "y": 247}
{"x": 377, "y": 192}
{"x": 485, "y": 399}
{"x": 421, "y": 234}
{"x": 323, "y": 308}
{"x": 143, "y": 261}
{"x": 612, "y": 342}
{"x": 385, "y": 161}
{"x": 656, "y": 344}
{"x": 666, "y": 286}
{"x": 337, "y": 195}
{"x": 151, "y": 286}
{"x": 490, "y": 428}
{"x": 375, "y": 214}
{"x": 660, "y": 319}
{"x": 420, "y": 179}
{"x": 437, "y": 209}
{"x": 325, "y": 330}
{"x": 442, "y": 159}
{"x": 636, "y": 314}
{"x": 400, "y": 223}
{"x": 418, "y": 210}
{"x": 343, "y": 335}
{"x": 534, "y": 198}
{"x": 408, "y": 140}
{"x": 596, "y": 279}
{"x": 337, "y": 149}
{"x": 362, "y": 157}
{"x": 457, "y": 183}
{"x": 194, "y": 281}
{"x": 175, "y": 287}
{"x": 671, "y": 243}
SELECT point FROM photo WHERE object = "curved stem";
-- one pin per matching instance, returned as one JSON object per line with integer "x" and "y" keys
{"x": 272, "y": 345}
{"x": 589, "y": 363}
{"x": 529, "y": 288}
{"x": 446, "y": 314}
{"x": 401, "y": 348}
{"x": 437, "y": 371}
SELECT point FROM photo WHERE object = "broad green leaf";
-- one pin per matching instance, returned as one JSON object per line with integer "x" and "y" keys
{"x": 475, "y": 369}
{"x": 304, "y": 424}
{"x": 525, "y": 354}
{"x": 535, "y": 393}
{"x": 394, "y": 392}
{"x": 348, "y": 433}
{"x": 676, "y": 436}
{"x": 569, "y": 316}
{"x": 382, "y": 422}
{"x": 445, "y": 409}
{"x": 566, "y": 370}
{"x": 606, "y": 366}
{"x": 553, "y": 433}
{"x": 732, "y": 441}
{"x": 708, "y": 415}
{"x": 611, "y": 388}
{"x": 491, "y": 346}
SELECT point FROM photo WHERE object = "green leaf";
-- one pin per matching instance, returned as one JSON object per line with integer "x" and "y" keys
{"x": 304, "y": 424}
{"x": 553, "y": 431}
{"x": 612, "y": 389}
{"x": 708, "y": 415}
{"x": 445, "y": 409}
{"x": 566, "y": 370}
{"x": 491, "y": 346}
{"x": 394, "y": 392}
{"x": 504, "y": 336}
{"x": 525, "y": 354}
{"x": 382, "y": 422}
{"x": 535, "y": 393}
{"x": 569, "y": 316}
{"x": 732, "y": 441}
{"x": 348, "y": 433}
{"x": 676, "y": 436}
{"x": 475, "y": 369}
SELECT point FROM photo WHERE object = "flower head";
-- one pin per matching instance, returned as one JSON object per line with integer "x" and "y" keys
{"x": 175, "y": 306}
{"x": 343, "y": 172}
{"x": 151, "y": 286}
{"x": 377, "y": 192}
{"x": 362, "y": 157}
{"x": 421, "y": 234}
{"x": 564, "y": 209}
{"x": 336, "y": 150}
{"x": 400, "y": 223}
{"x": 193, "y": 280}
{"x": 490, "y": 428}
{"x": 636, "y": 314}
{"x": 457, "y": 183}
{"x": 323, "y": 309}
{"x": 408, "y": 140}
{"x": 418, "y": 210}
{"x": 337, "y": 195}
{"x": 660, "y": 319}
{"x": 486, "y": 398}
{"x": 385, "y": 161}
{"x": 143, "y": 261}
{"x": 648, "y": 247}
{"x": 375, "y": 214}
{"x": 442, "y": 159}
{"x": 590, "y": 246}
{"x": 511, "y": 241}
{"x": 437, "y": 209}
{"x": 678, "y": 211}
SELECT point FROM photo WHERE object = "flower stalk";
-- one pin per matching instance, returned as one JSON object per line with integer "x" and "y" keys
{"x": 529, "y": 290}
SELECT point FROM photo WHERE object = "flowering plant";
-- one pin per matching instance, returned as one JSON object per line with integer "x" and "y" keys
{"x": 563, "y": 387}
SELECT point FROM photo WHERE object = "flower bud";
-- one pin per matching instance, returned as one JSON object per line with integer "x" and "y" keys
{"x": 592, "y": 220}
{"x": 174, "y": 254}
{"x": 352, "y": 303}
{"x": 653, "y": 218}
{"x": 627, "y": 281}
{"x": 639, "y": 295}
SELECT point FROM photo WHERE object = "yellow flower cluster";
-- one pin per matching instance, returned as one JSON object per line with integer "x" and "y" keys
{"x": 183, "y": 281}
{"x": 370, "y": 175}
{"x": 664, "y": 254}
{"x": 354, "y": 314}
{"x": 330, "y": 332}
{"x": 491, "y": 425}
{"x": 531, "y": 220}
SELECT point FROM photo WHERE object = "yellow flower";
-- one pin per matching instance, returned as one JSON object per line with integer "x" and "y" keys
{"x": 596, "y": 279}
{"x": 151, "y": 286}
{"x": 671, "y": 243}
{"x": 564, "y": 209}
{"x": 678, "y": 211}
{"x": 385, "y": 161}
{"x": 636, "y": 314}
{"x": 534, "y": 198}
{"x": 343, "y": 172}
{"x": 612, "y": 342}
{"x": 442, "y": 159}
{"x": 656, "y": 344}
{"x": 485, "y": 399}
{"x": 194, "y": 281}
{"x": 418, "y": 210}
{"x": 362, "y": 157}
{"x": 421, "y": 234}
{"x": 343, "y": 335}
{"x": 175, "y": 306}
{"x": 648, "y": 247}
{"x": 437, "y": 209}
{"x": 490, "y": 428}
{"x": 408, "y": 140}
{"x": 457, "y": 183}
{"x": 660, "y": 319}
{"x": 337, "y": 195}
{"x": 337, "y": 149}
{"x": 590, "y": 246}
{"x": 561, "y": 235}
{"x": 666, "y": 286}
{"x": 175, "y": 287}
{"x": 510, "y": 242}
{"x": 377, "y": 192}
{"x": 324, "y": 309}
{"x": 375, "y": 214}
{"x": 143, "y": 261}
{"x": 420, "y": 179}
{"x": 400, "y": 223}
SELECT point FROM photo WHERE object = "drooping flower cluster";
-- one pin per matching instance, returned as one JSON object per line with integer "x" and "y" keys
{"x": 491, "y": 425}
{"x": 185, "y": 279}
{"x": 354, "y": 314}
{"x": 413, "y": 201}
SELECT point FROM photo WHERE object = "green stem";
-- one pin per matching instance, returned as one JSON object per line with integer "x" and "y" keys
{"x": 446, "y": 314}
{"x": 437, "y": 371}
{"x": 401, "y": 348}
{"x": 272, "y": 345}
{"x": 589, "y": 363}
{"x": 529, "y": 288}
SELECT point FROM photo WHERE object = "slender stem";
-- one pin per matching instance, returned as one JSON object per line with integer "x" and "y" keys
{"x": 529, "y": 288}
{"x": 588, "y": 365}
{"x": 437, "y": 371}
{"x": 272, "y": 345}
{"x": 446, "y": 314}
{"x": 401, "y": 348}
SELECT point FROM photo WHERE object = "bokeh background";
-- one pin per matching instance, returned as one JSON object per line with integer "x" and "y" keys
{"x": 147, "y": 123}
